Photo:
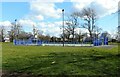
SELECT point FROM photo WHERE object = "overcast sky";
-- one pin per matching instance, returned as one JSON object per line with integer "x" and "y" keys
{"x": 47, "y": 15}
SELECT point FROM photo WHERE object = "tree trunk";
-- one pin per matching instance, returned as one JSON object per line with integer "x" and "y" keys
{"x": 2, "y": 35}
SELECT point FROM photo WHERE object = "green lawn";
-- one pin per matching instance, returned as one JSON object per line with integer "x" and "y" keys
{"x": 54, "y": 60}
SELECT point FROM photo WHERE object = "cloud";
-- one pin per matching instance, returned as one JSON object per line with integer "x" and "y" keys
{"x": 51, "y": 28}
{"x": 81, "y": 3}
{"x": 103, "y": 7}
{"x": 33, "y": 17}
{"x": 45, "y": 9}
{"x": 81, "y": 30}
{"x": 41, "y": 10}
{"x": 39, "y": 17}
{"x": 25, "y": 22}
{"x": 5, "y": 23}
{"x": 31, "y": 0}
{"x": 49, "y": 0}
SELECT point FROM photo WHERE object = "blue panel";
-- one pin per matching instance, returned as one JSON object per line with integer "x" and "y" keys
{"x": 14, "y": 41}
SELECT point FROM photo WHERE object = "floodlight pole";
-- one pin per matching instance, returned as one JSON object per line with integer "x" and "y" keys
{"x": 16, "y": 34}
{"x": 63, "y": 26}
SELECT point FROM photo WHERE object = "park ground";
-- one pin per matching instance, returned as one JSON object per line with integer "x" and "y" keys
{"x": 48, "y": 61}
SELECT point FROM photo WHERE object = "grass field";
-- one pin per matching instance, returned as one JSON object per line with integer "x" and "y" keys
{"x": 54, "y": 60}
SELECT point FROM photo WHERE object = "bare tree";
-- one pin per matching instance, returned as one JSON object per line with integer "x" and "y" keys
{"x": 25, "y": 35}
{"x": 72, "y": 24}
{"x": 117, "y": 35}
{"x": 105, "y": 34}
{"x": 15, "y": 30}
{"x": 97, "y": 31}
{"x": 79, "y": 36}
{"x": 16, "y": 27}
{"x": 2, "y": 31}
{"x": 67, "y": 35}
{"x": 89, "y": 15}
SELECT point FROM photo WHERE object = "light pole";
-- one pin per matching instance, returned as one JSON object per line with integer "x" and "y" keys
{"x": 16, "y": 29}
{"x": 63, "y": 26}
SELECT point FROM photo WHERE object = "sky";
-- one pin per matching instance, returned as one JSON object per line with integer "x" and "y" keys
{"x": 47, "y": 15}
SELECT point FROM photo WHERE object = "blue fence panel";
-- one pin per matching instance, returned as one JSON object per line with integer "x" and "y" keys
{"x": 39, "y": 42}
{"x": 105, "y": 41}
{"x": 97, "y": 42}
{"x": 26, "y": 42}
{"x": 14, "y": 42}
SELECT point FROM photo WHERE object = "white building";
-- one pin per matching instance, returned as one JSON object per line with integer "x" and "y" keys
{"x": 7, "y": 39}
